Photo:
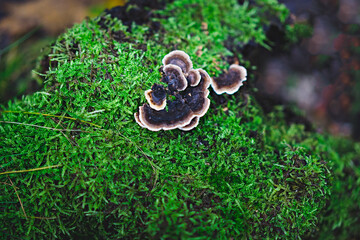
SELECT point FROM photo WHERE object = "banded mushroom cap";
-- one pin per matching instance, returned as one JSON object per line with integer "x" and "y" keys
{"x": 177, "y": 115}
{"x": 183, "y": 112}
{"x": 205, "y": 80}
{"x": 201, "y": 106}
{"x": 180, "y": 59}
{"x": 231, "y": 81}
{"x": 174, "y": 77}
{"x": 137, "y": 119}
{"x": 193, "y": 123}
{"x": 193, "y": 77}
{"x": 156, "y": 97}
{"x": 197, "y": 97}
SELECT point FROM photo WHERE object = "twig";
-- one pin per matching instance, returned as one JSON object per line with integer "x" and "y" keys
{"x": 43, "y": 218}
{"x": 22, "y": 207}
{"x": 51, "y": 115}
{"x": 31, "y": 170}
{"x": 72, "y": 142}
{"x": 55, "y": 129}
{"x": 6, "y": 183}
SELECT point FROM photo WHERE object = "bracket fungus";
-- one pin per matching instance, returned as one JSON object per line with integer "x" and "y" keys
{"x": 178, "y": 58}
{"x": 175, "y": 78}
{"x": 156, "y": 97}
{"x": 231, "y": 81}
{"x": 188, "y": 87}
{"x": 193, "y": 77}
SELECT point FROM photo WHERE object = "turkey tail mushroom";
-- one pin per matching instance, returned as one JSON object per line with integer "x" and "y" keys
{"x": 231, "y": 81}
{"x": 188, "y": 87}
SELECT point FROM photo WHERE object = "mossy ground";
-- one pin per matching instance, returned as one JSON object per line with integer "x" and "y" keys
{"x": 241, "y": 173}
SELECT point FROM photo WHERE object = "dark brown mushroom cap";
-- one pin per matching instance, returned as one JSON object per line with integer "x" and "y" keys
{"x": 174, "y": 77}
{"x": 177, "y": 115}
{"x": 205, "y": 80}
{"x": 196, "y": 97}
{"x": 231, "y": 81}
{"x": 137, "y": 119}
{"x": 178, "y": 58}
{"x": 193, "y": 77}
{"x": 189, "y": 87}
{"x": 180, "y": 113}
{"x": 193, "y": 123}
{"x": 156, "y": 97}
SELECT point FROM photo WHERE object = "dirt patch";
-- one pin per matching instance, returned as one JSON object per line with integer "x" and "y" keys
{"x": 139, "y": 12}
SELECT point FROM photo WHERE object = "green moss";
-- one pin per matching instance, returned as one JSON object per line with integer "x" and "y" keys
{"x": 241, "y": 173}
{"x": 341, "y": 218}
{"x": 298, "y": 31}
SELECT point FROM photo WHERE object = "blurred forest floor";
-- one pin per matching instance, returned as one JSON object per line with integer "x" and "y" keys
{"x": 320, "y": 74}
{"x": 26, "y": 28}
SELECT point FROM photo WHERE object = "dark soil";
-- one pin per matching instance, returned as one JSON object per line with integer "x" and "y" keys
{"x": 138, "y": 11}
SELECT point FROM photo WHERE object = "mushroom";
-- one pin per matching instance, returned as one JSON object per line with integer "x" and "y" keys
{"x": 174, "y": 77}
{"x": 196, "y": 97}
{"x": 193, "y": 123}
{"x": 193, "y": 77}
{"x": 177, "y": 115}
{"x": 178, "y": 58}
{"x": 231, "y": 81}
{"x": 180, "y": 113}
{"x": 137, "y": 119}
{"x": 201, "y": 106}
{"x": 156, "y": 97}
{"x": 188, "y": 86}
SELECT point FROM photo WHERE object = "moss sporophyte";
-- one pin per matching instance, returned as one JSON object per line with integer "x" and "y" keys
{"x": 189, "y": 87}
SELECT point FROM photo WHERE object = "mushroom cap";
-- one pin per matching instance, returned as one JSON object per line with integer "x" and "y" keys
{"x": 156, "y": 97}
{"x": 174, "y": 78}
{"x": 231, "y": 81}
{"x": 155, "y": 102}
{"x": 205, "y": 79}
{"x": 137, "y": 119}
{"x": 193, "y": 123}
{"x": 189, "y": 87}
{"x": 178, "y": 58}
{"x": 181, "y": 113}
{"x": 177, "y": 115}
{"x": 196, "y": 97}
{"x": 193, "y": 77}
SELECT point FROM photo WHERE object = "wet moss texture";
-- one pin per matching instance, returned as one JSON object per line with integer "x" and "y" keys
{"x": 94, "y": 173}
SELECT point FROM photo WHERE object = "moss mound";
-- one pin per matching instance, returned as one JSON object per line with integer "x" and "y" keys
{"x": 93, "y": 172}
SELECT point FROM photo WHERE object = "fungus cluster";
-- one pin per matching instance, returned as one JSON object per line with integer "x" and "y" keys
{"x": 184, "y": 99}
{"x": 182, "y": 102}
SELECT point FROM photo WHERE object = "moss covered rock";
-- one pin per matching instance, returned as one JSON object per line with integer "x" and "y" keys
{"x": 92, "y": 171}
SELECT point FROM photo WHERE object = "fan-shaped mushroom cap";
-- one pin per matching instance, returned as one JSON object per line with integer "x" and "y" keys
{"x": 174, "y": 78}
{"x": 193, "y": 123}
{"x": 178, "y": 115}
{"x": 156, "y": 97}
{"x": 188, "y": 86}
{"x": 178, "y": 58}
{"x": 193, "y": 77}
{"x": 231, "y": 81}
{"x": 181, "y": 113}
{"x": 137, "y": 119}
{"x": 196, "y": 97}
{"x": 205, "y": 79}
